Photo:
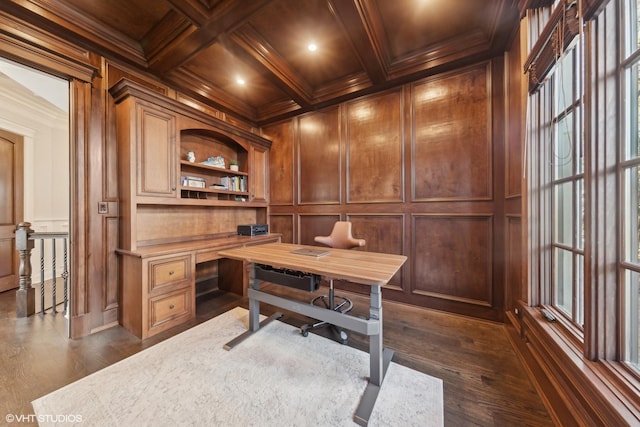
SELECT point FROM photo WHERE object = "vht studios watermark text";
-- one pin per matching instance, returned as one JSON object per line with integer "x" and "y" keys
{"x": 43, "y": 418}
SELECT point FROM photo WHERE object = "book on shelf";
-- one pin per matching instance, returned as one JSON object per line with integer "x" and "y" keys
{"x": 193, "y": 181}
{"x": 232, "y": 183}
{"x": 224, "y": 182}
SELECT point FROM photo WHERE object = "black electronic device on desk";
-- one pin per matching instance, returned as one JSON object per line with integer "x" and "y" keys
{"x": 286, "y": 277}
{"x": 253, "y": 229}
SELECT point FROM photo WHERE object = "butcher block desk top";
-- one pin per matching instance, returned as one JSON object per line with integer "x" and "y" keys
{"x": 367, "y": 268}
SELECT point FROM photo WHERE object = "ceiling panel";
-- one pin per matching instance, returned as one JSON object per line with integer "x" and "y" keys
{"x": 200, "y": 47}
{"x": 411, "y": 26}
{"x": 290, "y": 26}
{"x": 131, "y": 18}
{"x": 222, "y": 69}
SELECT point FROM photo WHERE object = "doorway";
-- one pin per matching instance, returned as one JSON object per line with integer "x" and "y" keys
{"x": 34, "y": 161}
{"x": 11, "y": 208}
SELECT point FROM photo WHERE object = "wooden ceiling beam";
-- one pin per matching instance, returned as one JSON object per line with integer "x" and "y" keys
{"x": 255, "y": 51}
{"x": 210, "y": 95}
{"x": 172, "y": 28}
{"x": 353, "y": 19}
{"x": 58, "y": 18}
{"x": 227, "y": 17}
{"x": 193, "y": 10}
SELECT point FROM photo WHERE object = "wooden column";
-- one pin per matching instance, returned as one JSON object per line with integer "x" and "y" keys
{"x": 25, "y": 295}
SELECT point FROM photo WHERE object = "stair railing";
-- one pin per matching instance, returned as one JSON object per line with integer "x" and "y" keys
{"x": 25, "y": 295}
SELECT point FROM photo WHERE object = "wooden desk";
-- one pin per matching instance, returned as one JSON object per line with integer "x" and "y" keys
{"x": 158, "y": 282}
{"x": 368, "y": 268}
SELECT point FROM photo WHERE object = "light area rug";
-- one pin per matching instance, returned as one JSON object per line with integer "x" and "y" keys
{"x": 276, "y": 377}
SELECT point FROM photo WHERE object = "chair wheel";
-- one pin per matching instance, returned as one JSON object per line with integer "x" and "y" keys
{"x": 304, "y": 331}
{"x": 343, "y": 337}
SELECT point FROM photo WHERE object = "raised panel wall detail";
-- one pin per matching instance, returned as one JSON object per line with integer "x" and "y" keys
{"x": 515, "y": 286}
{"x": 383, "y": 233}
{"x": 452, "y": 136}
{"x": 166, "y": 224}
{"x": 156, "y": 153}
{"x": 7, "y": 252}
{"x": 110, "y": 239}
{"x": 282, "y": 224}
{"x": 260, "y": 175}
{"x": 7, "y": 182}
{"x": 315, "y": 225}
{"x": 514, "y": 119}
{"x": 374, "y": 149}
{"x": 398, "y": 166}
{"x": 453, "y": 257}
{"x": 319, "y": 158}
{"x": 281, "y": 164}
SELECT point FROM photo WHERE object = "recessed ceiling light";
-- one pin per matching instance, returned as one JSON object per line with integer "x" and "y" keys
{"x": 312, "y": 47}
{"x": 240, "y": 80}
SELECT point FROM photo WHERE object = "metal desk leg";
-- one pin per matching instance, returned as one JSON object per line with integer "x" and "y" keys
{"x": 376, "y": 373}
{"x": 254, "y": 305}
{"x": 254, "y": 314}
{"x": 379, "y": 361}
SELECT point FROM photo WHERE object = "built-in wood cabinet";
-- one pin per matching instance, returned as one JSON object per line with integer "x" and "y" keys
{"x": 176, "y": 209}
{"x": 220, "y": 182}
{"x": 166, "y": 198}
{"x": 155, "y": 147}
{"x": 260, "y": 176}
{"x": 158, "y": 292}
{"x": 158, "y": 282}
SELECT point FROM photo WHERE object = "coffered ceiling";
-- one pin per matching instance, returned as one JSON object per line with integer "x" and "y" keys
{"x": 204, "y": 48}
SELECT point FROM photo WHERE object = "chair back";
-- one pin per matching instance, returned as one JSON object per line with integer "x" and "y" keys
{"x": 340, "y": 237}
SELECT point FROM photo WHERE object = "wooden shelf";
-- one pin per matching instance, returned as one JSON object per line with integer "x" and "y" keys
{"x": 232, "y": 185}
{"x": 199, "y": 166}
{"x": 217, "y": 191}
{"x": 195, "y": 193}
{"x": 203, "y": 202}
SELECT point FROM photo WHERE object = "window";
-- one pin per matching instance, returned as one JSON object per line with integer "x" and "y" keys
{"x": 567, "y": 167}
{"x": 629, "y": 171}
{"x": 583, "y": 201}
{"x": 559, "y": 182}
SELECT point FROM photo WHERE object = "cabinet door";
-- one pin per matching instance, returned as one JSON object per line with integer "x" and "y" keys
{"x": 156, "y": 152}
{"x": 259, "y": 174}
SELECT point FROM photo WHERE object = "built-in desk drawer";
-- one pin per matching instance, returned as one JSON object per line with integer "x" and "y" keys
{"x": 204, "y": 256}
{"x": 166, "y": 272}
{"x": 169, "y": 309}
{"x": 159, "y": 282}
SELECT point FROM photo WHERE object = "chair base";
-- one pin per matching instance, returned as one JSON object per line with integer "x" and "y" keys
{"x": 329, "y": 302}
{"x": 341, "y": 334}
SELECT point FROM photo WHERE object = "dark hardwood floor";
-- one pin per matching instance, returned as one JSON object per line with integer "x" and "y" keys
{"x": 484, "y": 381}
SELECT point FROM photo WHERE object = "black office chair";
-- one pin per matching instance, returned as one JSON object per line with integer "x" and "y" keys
{"x": 340, "y": 238}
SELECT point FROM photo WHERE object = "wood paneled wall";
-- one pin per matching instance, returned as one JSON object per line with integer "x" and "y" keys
{"x": 93, "y": 175}
{"x": 422, "y": 169}
{"x": 516, "y": 95}
{"x": 419, "y": 170}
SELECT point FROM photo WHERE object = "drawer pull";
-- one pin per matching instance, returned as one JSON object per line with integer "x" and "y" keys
{"x": 171, "y": 307}
{"x": 171, "y": 273}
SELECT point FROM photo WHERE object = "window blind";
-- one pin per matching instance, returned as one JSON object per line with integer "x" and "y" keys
{"x": 563, "y": 26}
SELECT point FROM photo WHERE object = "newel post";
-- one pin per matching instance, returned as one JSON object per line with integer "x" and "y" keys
{"x": 25, "y": 295}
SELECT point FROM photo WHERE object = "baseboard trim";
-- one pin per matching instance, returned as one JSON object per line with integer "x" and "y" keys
{"x": 80, "y": 325}
{"x": 575, "y": 390}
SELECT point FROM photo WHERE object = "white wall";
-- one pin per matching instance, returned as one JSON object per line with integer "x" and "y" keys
{"x": 45, "y": 128}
